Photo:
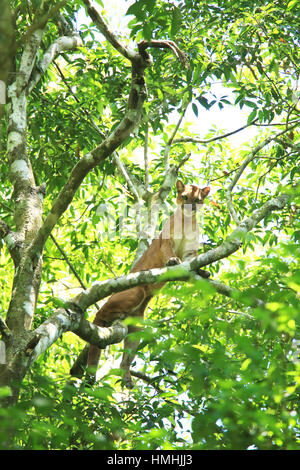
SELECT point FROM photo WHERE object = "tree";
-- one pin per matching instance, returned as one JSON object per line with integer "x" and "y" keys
{"x": 219, "y": 356}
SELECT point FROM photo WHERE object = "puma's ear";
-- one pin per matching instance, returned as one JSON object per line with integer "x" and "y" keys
{"x": 205, "y": 191}
{"x": 179, "y": 186}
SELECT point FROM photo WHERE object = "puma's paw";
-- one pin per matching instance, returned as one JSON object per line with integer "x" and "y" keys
{"x": 203, "y": 273}
{"x": 173, "y": 261}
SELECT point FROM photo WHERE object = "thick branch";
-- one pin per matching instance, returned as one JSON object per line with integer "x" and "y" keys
{"x": 165, "y": 44}
{"x": 28, "y": 60}
{"x": 64, "y": 320}
{"x": 235, "y": 239}
{"x": 28, "y": 199}
{"x": 100, "y": 336}
{"x": 128, "y": 124}
{"x": 109, "y": 35}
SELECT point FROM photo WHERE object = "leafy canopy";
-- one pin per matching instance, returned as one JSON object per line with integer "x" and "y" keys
{"x": 223, "y": 375}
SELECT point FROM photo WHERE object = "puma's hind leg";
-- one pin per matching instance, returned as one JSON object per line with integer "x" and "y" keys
{"x": 130, "y": 347}
{"x": 120, "y": 305}
{"x": 94, "y": 352}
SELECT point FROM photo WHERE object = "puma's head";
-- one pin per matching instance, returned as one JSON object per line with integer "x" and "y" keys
{"x": 190, "y": 197}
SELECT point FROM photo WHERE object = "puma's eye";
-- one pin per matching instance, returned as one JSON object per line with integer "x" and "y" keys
{"x": 197, "y": 201}
{"x": 185, "y": 198}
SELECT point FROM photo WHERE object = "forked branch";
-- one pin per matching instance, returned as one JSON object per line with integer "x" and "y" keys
{"x": 165, "y": 44}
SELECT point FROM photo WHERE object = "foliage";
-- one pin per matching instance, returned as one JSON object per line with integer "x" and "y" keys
{"x": 217, "y": 374}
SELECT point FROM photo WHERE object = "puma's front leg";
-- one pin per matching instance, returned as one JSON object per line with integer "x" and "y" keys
{"x": 169, "y": 253}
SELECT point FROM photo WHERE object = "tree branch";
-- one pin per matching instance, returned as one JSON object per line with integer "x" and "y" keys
{"x": 65, "y": 320}
{"x": 131, "y": 120}
{"x": 39, "y": 22}
{"x": 165, "y": 44}
{"x": 100, "y": 336}
{"x": 171, "y": 139}
{"x": 28, "y": 60}
{"x": 213, "y": 139}
{"x": 146, "y": 160}
{"x": 156, "y": 202}
{"x": 63, "y": 43}
{"x": 107, "y": 33}
{"x": 235, "y": 239}
{"x": 127, "y": 176}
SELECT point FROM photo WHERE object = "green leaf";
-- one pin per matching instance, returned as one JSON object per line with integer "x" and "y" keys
{"x": 252, "y": 116}
{"x": 176, "y": 21}
{"x": 195, "y": 109}
{"x": 250, "y": 103}
{"x": 291, "y": 4}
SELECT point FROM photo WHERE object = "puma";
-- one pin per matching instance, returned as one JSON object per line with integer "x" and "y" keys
{"x": 178, "y": 241}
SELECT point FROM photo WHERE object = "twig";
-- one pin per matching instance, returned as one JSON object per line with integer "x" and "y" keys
{"x": 226, "y": 174}
{"x": 171, "y": 139}
{"x": 68, "y": 261}
{"x": 242, "y": 167}
{"x": 276, "y": 123}
{"x": 269, "y": 170}
{"x": 207, "y": 141}
{"x": 126, "y": 175}
{"x": 82, "y": 108}
{"x": 151, "y": 381}
{"x": 183, "y": 161}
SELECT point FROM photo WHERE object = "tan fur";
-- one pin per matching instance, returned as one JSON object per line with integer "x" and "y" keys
{"x": 178, "y": 241}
